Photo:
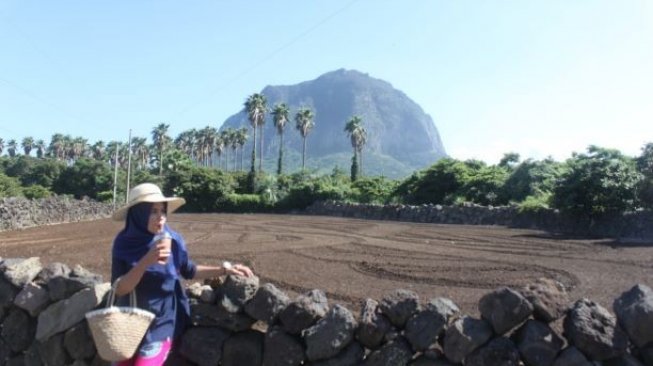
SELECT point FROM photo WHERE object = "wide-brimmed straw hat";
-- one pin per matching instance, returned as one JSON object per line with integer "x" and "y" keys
{"x": 147, "y": 192}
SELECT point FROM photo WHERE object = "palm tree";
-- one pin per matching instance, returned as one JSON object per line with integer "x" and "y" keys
{"x": 232, "y": 141}
{"x": 255, "y": 106}
{"x": 78, "y": 148}
{"x": 304, "y": 123}
{"x": 241, "y": 138}
{"x": 219, "y": 149}
{"x": 97, "y": 150}
{"x": 28, "y": 144}
{"x": 40, "y": 148}
{"x": 160, "y": 138}
{"x": 280, "y": 113}
{"x": 57, "y": 146}
{"x": 141, "y": 151}
{"x": 186, "y": 142}
{"x": 358, "y": 137}
{"x": 2, "y": 145}
{"x": 111, "y": 149}
{"x": 11, "y": 147}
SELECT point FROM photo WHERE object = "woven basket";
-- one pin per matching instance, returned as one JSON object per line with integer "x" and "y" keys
{"x": 118, "y": 331}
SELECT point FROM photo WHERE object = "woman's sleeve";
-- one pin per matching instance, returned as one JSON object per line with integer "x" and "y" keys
{"x": 118, "y": 268}
{"x": 187, "y": 267}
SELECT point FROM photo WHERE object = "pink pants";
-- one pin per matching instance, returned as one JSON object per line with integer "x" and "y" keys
{"x": 151, "y": 354}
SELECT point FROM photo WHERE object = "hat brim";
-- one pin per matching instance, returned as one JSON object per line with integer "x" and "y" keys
{"x": 173, "y": 204}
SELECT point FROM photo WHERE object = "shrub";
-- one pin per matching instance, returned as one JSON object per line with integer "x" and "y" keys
{"x": 202, "y": 187}
{"x": 243, "y": 203}
{"x": 9, "y": 187}
{"x": 36, "y": 191}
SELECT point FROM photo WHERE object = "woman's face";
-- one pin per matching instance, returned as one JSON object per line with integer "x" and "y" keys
{"x": 157, "y": 218}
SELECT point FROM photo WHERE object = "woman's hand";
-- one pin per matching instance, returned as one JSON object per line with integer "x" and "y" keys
{"x": 239, "y": 270}
{"x": 158, "y": 253}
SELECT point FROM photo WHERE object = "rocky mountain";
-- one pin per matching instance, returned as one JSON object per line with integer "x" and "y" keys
{"x": 401, "y": 137}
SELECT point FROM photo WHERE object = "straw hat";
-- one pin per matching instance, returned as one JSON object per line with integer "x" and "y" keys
{"x": 147, "y": 192}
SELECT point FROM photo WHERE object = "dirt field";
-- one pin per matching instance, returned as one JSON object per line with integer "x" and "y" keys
{"x": 353, "y": 259}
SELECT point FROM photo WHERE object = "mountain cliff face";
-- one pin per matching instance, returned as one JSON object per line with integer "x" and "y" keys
{"x": 400, "y": 136}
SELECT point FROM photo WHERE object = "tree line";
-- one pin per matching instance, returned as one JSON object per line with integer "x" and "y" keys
{"x": 205, "y": 147}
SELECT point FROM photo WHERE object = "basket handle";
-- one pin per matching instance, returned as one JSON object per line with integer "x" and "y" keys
{"x": 112, "y": 295}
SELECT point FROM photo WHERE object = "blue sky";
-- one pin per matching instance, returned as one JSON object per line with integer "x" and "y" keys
{"x": 541, "y": 78}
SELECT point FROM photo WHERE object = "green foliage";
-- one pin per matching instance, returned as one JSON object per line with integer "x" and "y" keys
{"x": 9, "y": 186}
{"x": 484, "y": 185}
{"x": 532, "y": 178}
{"x": 534, "y": 204}
{"x": 36, "y": 191}
{"x": 438, "y": 184}
{"x": 30, "y": 170}
{"x": 309, "y": 190}
{"x": 373, "y": 190}
{"x": 353, "y": 175}
{"x": 244, "y": 203}
{"x": 85, "y": 178}
{"x": 601, "y": 182}
{"x": 645, "y": 168}
{"x": 202, "y": 187}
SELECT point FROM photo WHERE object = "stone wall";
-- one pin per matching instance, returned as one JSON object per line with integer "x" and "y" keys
{"x": 19, "y": 213}
{"x": 635, "y": 225}
{"x": 241, "y": 322}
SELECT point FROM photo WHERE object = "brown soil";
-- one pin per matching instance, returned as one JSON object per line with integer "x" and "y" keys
{"x": 352, "y": 259}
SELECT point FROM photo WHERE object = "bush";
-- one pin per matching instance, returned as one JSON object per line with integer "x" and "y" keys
{"x": 439, "y": 184}
{"x": 9, "y": 187}
{"x": 244, "y": 203}
{"x": 202, "y": 187}
{"x": 534, "y": 204}
{"x": 85, "y": 178}
{"x": 306, "y": 193}
{"x": 373, "y": 190}
{"x": 36, "y": 191}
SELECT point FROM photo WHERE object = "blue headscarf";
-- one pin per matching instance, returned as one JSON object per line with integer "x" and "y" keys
{"x": 134, "y": 241}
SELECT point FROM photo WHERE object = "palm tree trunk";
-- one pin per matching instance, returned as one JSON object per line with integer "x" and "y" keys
{"x": 254, "y": 151}
{"x": 360, "y": 163}
{"x": 304, "y": 155}
{"x": 260, "y": 152}
{"x": 160, "y": 162}
{"x": 280, "y": 164}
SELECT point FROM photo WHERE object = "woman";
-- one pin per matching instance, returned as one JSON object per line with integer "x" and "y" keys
{"x": 149, "y": 257}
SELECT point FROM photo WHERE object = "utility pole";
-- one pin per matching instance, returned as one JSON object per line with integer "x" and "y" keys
{"x": 115, "y": 176}
{"x": 129, "y": 164}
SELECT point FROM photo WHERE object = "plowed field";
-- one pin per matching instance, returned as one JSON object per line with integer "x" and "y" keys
{"x": 352, "y": 259}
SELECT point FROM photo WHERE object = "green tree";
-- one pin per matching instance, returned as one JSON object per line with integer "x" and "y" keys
{"x": 484, "y": 185}
{"x": 161, "y": 140}
{"x": 358, "y": 137}
{"x": 532, "y": 178}
{"x": 11, "y": 148}
{"x": 28, "y": 144}
{"x": 255, "y": 107}
{"x": 2, "y": 145}
{"x": 241, "y": 137}
{"x": 9, "y": 186}
{"x": 600, "y": 182}
{"x": 645, "y": 168}
{"x": 202, "y": 187}
{"x": 304, "y": 124}
{"x": 353, "y": 175}
{"x": 509, "y": 160}
{"x": 85, "y": 177}
{"x": 40, "y": 148}
{"x": 280, "y": 114}
{"x": 439, "y": 184}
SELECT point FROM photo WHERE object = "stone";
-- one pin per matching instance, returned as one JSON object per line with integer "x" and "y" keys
{"x": 444, "y": 306}
{"x": 330, "y": 334}
{"x": 215, "y": 315}
{"x": 50, "y": 271}
{"x": 304, "y": 311}
{"x": 8, "y": 293}
{"x": 267, "y": 303}
{"x": 395, "y": 353}
{"x": 62, "y": 315}
{"x": 32, "y": 298}
{"x": 238, "y": 290}
{"x": 243, "y": 349}
{"x": 465, "y": 335}
{"x": 194, "y": 290}
{"x": 538, "y": 344}
{"x": 282, "y": 349}
{"x": 499, "y": 351}
{"x": 549, "y": 299}
{"x": 20, "y": 271}
{"x": 373, "y": 325}
{"x": 624, "y": 360}
{"x": 423, "y": 360}
{"x": 571, "y": 356}
{"x": 504, "y": 309}
{"x": 207, "y": 294}
{"x": 18, "y": 330}
{"x": 399, "y": 305}
{"x": 594, "y": 331}
{"x": 352, "y": 355}
{"x": 32, "y": 355}
{"x": 203, "y": 346}
{"x": 634, "y": 310}
{"x": 52, "y": 351}
{"x": 79, "y": 342}
{"x": 423, "y": 328}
